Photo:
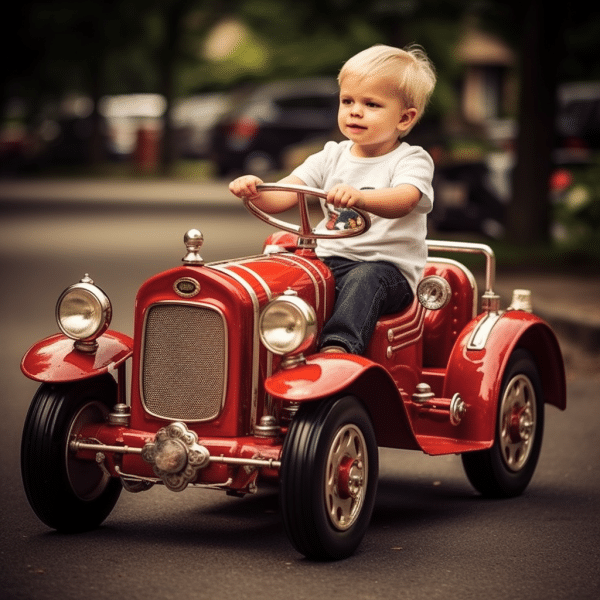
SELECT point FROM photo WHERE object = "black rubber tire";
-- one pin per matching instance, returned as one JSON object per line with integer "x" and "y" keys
{"x": 505, "y": 470}
{"x": 67, "y": 494}
{"x": 318, "y": 437}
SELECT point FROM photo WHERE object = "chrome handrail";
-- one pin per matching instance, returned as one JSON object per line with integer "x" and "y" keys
{"x": 490, "y": 300}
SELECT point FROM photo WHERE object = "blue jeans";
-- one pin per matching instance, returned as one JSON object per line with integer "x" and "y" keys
{"x": 363, "y": 292}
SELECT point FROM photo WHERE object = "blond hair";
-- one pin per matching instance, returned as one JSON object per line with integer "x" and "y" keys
{"x": 410, "y": 68}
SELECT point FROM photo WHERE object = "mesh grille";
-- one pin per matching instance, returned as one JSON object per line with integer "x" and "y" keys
{"x": 184, "y": 362}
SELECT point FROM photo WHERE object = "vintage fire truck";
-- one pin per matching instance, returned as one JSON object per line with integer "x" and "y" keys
{"x": 227, "y": 388}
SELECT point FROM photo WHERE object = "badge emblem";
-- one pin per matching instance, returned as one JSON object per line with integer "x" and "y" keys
{"x": 186, "y": 287}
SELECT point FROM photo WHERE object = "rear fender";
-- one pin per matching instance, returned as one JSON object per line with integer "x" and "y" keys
{"x": 323, "y": 376}
{"x": 55, "y": 359}
{"x": 477, "y": 374}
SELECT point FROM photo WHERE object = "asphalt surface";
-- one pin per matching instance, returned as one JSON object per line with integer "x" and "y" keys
{"x": 430, "y": 538}
{"x": 569, "y": 302}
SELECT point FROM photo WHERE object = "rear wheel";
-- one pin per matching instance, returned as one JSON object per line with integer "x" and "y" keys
{"x": 329, "y": 478}
{"x": 67, "y": 493}
{"x": 507, "y": 467}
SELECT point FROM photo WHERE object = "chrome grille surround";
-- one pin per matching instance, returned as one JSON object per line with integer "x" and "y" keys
{"x": 183, "y": 374}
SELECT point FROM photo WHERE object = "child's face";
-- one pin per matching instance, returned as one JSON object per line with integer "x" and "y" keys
{"x": 371, "y": 114}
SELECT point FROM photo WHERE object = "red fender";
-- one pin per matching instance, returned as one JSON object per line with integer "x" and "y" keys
{"x": 477, "y": 374}
{"x": 54, "y": 359}
{"x": 323, "y": 376}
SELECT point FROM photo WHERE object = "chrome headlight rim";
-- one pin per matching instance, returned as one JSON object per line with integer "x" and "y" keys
{"x": 83, "y": 311}
{"x": 288, "y": 325}
{"x": 434, "y": 292}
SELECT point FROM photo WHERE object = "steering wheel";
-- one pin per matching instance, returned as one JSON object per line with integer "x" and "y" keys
{"x": 305, "y": 231}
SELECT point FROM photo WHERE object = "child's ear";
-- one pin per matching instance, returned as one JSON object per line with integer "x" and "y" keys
{"x": 407, "y": 119}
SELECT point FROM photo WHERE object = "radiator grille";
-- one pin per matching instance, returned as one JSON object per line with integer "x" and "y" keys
{"x": 184, "y": 362}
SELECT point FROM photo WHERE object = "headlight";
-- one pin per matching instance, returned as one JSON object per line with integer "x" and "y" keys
{"x": 434, "y": 292}
{"x": 83, "y": 313}
{"x": 288, "y": 324}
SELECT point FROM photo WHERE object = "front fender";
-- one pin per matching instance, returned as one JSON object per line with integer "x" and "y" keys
{"x": 54, "y": 359}
{"x": 477, "y": 374}
{"x": 326, "y": 375}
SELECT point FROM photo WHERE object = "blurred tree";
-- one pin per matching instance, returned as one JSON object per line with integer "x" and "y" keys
{"x": 184, "y": 24}
{"x": 68, "y": 46}
{"x": 541, "y": 47}
{"x": 535, "y": 29}
{"x": 554, "y": 45}
{"x": 123, "y": 46}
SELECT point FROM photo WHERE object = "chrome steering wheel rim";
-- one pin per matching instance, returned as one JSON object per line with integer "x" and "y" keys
{"x": 304, "y": 230}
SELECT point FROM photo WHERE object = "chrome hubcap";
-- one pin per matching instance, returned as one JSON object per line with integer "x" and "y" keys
{"x": 517, "y": 422}
{"x": 346, "y": 477}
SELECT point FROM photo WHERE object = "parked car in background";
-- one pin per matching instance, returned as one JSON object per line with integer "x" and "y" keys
{"x": 194, "y": 117}
{"x": 254, "y": 135}
{"x": 125, "y": 115}
{"x": 578, "y": 120}
{"x": 467, "y": 199}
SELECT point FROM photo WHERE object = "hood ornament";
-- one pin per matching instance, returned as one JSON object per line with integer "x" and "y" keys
{"x": 193, "y": 240}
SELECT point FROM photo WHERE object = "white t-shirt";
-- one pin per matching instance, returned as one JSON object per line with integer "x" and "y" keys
{"x": 400, "y": 241}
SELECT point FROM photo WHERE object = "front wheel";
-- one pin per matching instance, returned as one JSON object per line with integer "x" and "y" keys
{"x": 329, "y": 477}
{"x": 507, "y": 467}
{"x": 67, "y": 493}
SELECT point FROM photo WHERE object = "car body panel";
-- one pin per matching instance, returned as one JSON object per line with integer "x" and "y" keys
{"x": 54, "y": 359}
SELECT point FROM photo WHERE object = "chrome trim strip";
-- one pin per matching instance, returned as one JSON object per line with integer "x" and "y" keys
{"x": 297, "y": 261}
{"x": 143, "y": 347}
{"x": 269, "y": 294}
{"x": 409, "y": 326}
{"x": 482, "y": 331}
{"x": 255, "y": 337}
{"x": 258, "y": 278}
{"x": 416, "y": 333}
{"x": 235, "y": 261}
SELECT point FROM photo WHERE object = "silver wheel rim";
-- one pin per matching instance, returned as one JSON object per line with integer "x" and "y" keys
{"x": 86, "y": 478}
{"x": 346, "y": 477}
{"x": 518, "y": 419}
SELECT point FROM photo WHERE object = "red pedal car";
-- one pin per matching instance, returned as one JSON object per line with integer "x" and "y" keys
{"x": 228, "y": 389}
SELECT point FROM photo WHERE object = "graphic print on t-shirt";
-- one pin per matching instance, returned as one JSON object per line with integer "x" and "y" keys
{"x": 344, "y": 218}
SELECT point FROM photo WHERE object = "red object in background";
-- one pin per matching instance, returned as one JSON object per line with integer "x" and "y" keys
{"x": 241, "y": 132}
{"x": 560, "y": 180}
{"x": 146, "y": 149}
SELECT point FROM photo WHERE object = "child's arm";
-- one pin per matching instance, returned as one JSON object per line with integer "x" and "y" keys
{"x": 390, "y": 203}
{"x": 271, "y": 202}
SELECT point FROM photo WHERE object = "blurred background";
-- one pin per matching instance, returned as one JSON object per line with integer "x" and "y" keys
{"x": 205, "y": 89}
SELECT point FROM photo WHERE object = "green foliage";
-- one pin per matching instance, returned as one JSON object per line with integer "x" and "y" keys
{"x": 577, "y": 207}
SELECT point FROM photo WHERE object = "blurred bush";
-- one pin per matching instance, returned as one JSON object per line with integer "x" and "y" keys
{"x": 576, "y": 205}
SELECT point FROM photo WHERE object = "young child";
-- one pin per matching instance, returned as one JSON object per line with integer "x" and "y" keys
{"x": 383, "y": 93}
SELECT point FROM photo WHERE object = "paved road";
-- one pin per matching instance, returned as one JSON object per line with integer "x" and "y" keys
{"x": 431, "y": 536}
